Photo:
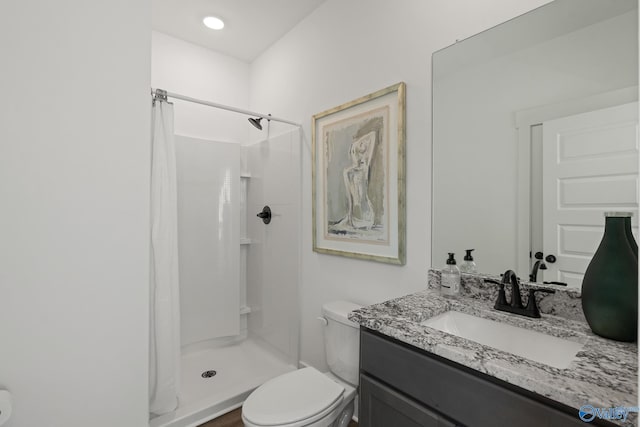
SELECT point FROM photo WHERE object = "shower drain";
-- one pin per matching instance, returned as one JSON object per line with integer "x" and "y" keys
{"x": 208, "y": 374}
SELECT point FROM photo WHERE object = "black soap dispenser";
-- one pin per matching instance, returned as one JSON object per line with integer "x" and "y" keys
{"x": 468, "y": 266}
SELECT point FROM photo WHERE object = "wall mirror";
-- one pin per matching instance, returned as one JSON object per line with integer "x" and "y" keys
{"x": 535, "y": 137}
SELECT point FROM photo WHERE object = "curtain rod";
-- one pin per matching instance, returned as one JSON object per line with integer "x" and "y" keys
{"x": 163, "y": 94}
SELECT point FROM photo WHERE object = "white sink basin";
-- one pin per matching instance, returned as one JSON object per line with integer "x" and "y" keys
{"x": 536, "y": 346}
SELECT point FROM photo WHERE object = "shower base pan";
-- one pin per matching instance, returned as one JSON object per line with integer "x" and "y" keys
{"x": 216, "y": 381}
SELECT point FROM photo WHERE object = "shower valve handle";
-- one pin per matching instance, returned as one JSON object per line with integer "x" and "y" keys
{"x": 265, "y": 215}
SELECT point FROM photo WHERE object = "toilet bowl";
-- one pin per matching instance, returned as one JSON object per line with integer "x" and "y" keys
{"x": 308, "y": 397}
{"x": 305, "y": 397}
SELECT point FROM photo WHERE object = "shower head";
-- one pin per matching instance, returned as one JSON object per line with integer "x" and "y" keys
{"x": 256, "y": 122}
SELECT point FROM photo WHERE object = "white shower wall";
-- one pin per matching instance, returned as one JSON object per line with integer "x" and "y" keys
{"x": 273, "y": 258}
{"x": 209, "y": 238}
{"x": 218, "y": 200}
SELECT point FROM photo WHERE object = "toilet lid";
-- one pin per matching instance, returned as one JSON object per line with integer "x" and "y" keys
{"x": 292, "y": 397}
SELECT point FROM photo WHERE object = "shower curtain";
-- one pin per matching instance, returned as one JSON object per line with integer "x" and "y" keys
{"x": 164, "y": 364}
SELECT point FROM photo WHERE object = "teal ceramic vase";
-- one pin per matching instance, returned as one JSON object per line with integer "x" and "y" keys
{"x": 610, "y": 284}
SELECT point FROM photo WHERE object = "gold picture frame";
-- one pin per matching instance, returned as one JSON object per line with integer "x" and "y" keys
{"x": 358, "y": 178}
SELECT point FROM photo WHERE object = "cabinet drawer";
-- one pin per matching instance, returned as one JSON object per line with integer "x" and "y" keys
{"x": 452, "y": 390}
{"x": 381, "y": 406}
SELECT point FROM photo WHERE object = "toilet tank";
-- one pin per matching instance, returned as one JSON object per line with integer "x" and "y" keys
{"x": 342, "y": 340}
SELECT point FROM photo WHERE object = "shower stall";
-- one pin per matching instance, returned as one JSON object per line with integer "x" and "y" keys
{"x": 238, "y": 276}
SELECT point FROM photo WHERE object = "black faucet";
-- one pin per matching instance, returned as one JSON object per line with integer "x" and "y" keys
{"x": 515, "y": 305}
{"x": 510, "y": 276}
{"x": 538, "y": 265}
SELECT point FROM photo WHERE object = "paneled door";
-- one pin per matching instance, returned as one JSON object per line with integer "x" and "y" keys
{"x": 590, "y": 166}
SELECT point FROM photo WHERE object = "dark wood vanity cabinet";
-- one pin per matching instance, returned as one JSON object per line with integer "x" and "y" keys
{"x": 403, "y": 386}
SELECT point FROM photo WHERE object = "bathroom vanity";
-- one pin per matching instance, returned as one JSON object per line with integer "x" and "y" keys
{"x": 404, "y": 386}
{"x": 412, "y": 374}
{"x": 522, "y": 132}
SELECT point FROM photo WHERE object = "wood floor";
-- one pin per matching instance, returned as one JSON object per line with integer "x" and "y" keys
{"x": 234, "y": 419}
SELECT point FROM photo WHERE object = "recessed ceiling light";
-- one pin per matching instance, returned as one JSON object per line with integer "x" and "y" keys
{"x": 213, "y": 23}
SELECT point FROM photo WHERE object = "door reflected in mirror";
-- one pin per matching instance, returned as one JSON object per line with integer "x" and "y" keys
{"x": 535, "y": 137}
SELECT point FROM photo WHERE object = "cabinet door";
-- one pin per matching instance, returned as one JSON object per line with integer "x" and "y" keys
{"x": 381, "y": 406}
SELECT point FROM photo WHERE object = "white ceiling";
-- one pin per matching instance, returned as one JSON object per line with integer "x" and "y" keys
{"x": 251, "y": 26}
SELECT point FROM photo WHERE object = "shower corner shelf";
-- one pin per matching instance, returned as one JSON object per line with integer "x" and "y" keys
{"x": 246, "y": 175}
{"x": 246, "y": 241}
{"x": 245, "y": 309}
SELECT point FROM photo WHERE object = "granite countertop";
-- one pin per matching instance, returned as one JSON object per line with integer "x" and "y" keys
{"x": 603, "y": 374}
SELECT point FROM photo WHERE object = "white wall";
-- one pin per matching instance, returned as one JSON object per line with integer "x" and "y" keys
{"x": 74, "y": 217}
{"x": 184, "y": 68}
{"x": 342, "y": 51}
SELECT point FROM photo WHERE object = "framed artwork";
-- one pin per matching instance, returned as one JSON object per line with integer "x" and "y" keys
{"x": 359, "y": 178}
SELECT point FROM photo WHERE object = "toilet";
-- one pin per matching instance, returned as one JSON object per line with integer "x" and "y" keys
{"x": 308, "y": 397}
